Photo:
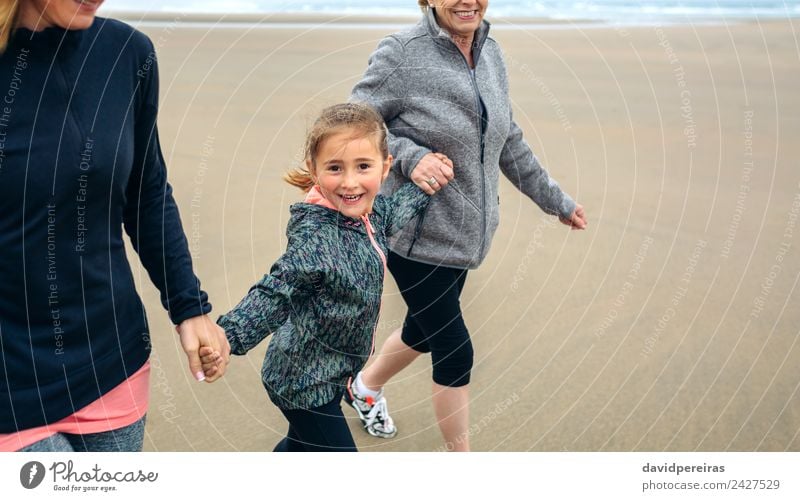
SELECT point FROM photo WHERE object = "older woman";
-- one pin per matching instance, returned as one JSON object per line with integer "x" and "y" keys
{"x": 442, "y": 88}
{"x": 80, "y": 159}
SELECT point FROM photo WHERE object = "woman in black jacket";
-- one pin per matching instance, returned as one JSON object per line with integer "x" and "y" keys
{"x": 80, "y": 160}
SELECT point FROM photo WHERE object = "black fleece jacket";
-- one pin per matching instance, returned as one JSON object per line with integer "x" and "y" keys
{"x": 80, "y": 161}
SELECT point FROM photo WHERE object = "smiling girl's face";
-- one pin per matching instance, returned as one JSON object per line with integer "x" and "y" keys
{"x": 349, "y": 168}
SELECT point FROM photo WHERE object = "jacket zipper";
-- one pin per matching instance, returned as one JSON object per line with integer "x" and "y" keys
{"x": 71, "y": 118}
{"x": 417, "y": 230}
{"x": 482, "y": 133}
{"x": 382, "y": 256}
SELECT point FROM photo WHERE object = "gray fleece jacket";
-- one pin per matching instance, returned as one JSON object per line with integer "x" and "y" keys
{"x": 431, "y": 101}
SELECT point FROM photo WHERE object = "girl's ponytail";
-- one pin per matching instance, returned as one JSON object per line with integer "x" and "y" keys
{"x": 299, "y": 178}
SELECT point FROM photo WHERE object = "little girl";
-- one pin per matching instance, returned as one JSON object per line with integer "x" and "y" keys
{"x": 322, "y": 297}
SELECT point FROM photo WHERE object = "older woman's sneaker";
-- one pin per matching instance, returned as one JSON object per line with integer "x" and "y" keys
{"x": 373, "y": 412}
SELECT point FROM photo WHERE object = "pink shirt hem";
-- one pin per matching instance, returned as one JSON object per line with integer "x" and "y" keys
{"x": 120, "y": 407}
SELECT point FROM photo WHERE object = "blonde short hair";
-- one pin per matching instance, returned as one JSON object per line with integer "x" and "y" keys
{"x": 8, "y": 17}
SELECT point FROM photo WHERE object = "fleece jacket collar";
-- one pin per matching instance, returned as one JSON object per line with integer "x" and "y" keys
{"x": 443, "y": 38}
{"x": 321, "y": 210}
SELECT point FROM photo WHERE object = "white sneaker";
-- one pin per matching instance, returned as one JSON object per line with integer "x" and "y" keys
{"x": 373, "y": 412}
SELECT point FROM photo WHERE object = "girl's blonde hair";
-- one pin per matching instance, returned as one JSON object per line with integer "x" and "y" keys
{"x": 8, "y": 17}
{"x": 360, "y": 118}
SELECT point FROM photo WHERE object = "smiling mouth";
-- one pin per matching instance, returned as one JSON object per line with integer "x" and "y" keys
{"x": 89, "y": 4}
{"x": 466, "y": 14}
{"x": 351, "y": 199}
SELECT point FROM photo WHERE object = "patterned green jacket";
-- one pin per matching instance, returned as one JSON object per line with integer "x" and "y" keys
{"x": 321, "y": 299}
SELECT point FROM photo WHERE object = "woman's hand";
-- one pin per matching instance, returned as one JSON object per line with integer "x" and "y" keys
{"x": 577, "y": 220}
{"x": 433, "y": 172}
{"x": 201, "y": 331}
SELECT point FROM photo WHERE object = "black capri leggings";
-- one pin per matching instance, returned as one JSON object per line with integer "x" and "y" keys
{"x": 320, "y": 429}
{"x": 434, "y": 323}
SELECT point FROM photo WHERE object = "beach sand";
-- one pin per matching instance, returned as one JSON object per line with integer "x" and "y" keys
{"x": 671, "y": 324}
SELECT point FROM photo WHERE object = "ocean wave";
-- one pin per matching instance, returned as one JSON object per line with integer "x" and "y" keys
{"x": 606, "y": 10}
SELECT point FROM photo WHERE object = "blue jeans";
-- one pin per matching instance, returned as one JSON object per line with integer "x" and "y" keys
{"x": 127, "y": 439}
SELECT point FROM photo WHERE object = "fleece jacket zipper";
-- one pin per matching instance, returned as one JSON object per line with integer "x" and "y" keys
{"x": 382, "y": 256}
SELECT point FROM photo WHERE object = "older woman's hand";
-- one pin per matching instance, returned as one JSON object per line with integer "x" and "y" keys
{"x": 577, "y": 220}
{"x": 433, "y": 172}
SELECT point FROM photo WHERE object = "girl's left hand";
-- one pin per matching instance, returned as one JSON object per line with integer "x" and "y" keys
{"x": 577, "y": 220}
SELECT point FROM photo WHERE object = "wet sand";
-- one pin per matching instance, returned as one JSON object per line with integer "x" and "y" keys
{"x": 671, "y": 324}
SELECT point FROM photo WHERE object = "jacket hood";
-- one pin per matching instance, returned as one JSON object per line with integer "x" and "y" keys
{"x": 308, "y": 215}
{"x": 315, "y": 196}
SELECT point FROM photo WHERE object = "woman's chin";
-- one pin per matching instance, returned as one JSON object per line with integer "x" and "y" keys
{"x": 81, "y": 23}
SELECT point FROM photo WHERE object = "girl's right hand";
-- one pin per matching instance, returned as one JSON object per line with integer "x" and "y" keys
{"x": 433, "y": 172}
{"x": 198, "y": 332}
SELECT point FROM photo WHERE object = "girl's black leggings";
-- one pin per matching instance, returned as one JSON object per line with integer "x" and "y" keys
{"x": 434, "y": 323}
{"x": 319, "y": 429}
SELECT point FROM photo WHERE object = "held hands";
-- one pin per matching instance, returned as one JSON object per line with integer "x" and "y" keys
{"x": 200, "y": 334}
{"x": 209, "y": 358}
{"x": 577, "y": 220}
{"x": 433, "y": 172}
